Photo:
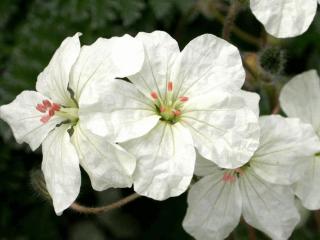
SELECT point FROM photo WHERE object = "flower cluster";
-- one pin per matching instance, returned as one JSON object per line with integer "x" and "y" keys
{"x": 138, "y": 111}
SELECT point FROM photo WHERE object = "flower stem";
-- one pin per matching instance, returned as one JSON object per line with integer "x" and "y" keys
{"x": 98, "y": 210}
{"x": 229, "y": 20}
{"x": 237, "y": 31}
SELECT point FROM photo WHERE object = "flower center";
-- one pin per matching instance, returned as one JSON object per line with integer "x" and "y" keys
{"x": 232, "y": 175}
{"x": 169, "y": 108}
{"x": 51, "y": 109}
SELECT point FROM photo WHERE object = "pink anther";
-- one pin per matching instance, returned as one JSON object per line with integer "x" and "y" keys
{"x": 45, "y": 118}
{"x": 183, "y": 99}
{"x": 162, "y": 109}
{"x": 55, "y": 107}
{"x": 227, "y": 177}
{"x": 176, "y": 112}
{"x": 170, "y": 86}
{"x": 46, "y": 103}
{"x": 154, "y": 95}
{"x": 41, "y": 108}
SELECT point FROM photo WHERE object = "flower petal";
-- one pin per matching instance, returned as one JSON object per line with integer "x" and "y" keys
{"x": 160, "y": 51}
{"x": 285, "y": 145}
{"x": 285, "y": 18}
{"x": 204, "y": 167}
{"x": 205, "y": 64}
{"x": 300, "y": 98}
{"x": 25, "y": 120}
{"x": 223, "y": 128}
{"x": 104, "y": 60}
{"x": 214, "y": 208}
{"x": 107, "y": 164}
{"x": 165, "y": 161}
{"x": 252, "y": 101}
{"x": 308, "y": 188}
{"x": 61, "y": 169}
{"x": 121, "y": 112}
{"x": 53, "y": 81}
{"x": 268, "y": 207}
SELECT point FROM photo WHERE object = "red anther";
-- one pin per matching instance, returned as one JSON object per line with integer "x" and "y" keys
{"x": 183, "y": 99}
{"x": 51, "y": 112}
{"x": 154, "y": 95}
{"x": 227, "y": 177}
{"x": 41, "y": 108}
{"x": 46, "y": 103}
{"x": 170, "y": 86}
{"x": 45, "y": 118}
{"x": 55, "y": 107}
{"x": 162, "y": 109}
{"x": 176, "y": 112}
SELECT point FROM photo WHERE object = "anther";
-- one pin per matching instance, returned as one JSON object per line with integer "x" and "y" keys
{"x": 46, "y": 103}
{"x": 183, "y": 99}
{"x": 55, "y": 107}
{"x": 41, "y": 108}
{"x": 176, "y": 112}
{"x": 45, "y": 119}
{"x": 170, "y": 86}
{"x": 227, "y": 177}
{"x": 162, "y": 109}
{"x": 154, "y": 95}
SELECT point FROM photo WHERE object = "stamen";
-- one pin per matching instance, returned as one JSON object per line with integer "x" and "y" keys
{"x": 46, "y": 103}
{"x": 55, "y": 107}
{"x": 49, "y": 107}
{"x": 170, "y": 86}
{"x": 176, "y": 112}
{"x": 183, "y": 99}
{"x": 41, "y": 108}
{"x": 162, "y": 109}
{"x": 45, "y": 119}
{"x": 227, "y": 177}
{"x": 154, "y": 95}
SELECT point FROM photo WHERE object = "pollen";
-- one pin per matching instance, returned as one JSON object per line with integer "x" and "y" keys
{"x": 183, "y": 99}
{"x": 49, "y": 108}
{"x": 154, "y": 95}
{"x": 170, "y": 86}
{"x": 228, "y": 177}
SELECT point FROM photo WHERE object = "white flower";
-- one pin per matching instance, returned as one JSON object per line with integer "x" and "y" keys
{"x": 259, "y": 191}
{"x": 284, "y": 18}
{"x": 179, "y": 101}
{"x": 300, "y": 97}
{"x": 59, "y": 108}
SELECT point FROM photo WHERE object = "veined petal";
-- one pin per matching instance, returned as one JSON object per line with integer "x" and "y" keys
{"x": 107, "y": 164}
{"x": 204, "y": 167}
{"x": 165, "y": 161}
{"x": 53, "y": 81}
{"x": 104, "y": 60}
{"x": 121, "y": 112}
{"x": 223, "y": 128}
{"x": 25, "y": 120}
{"x": 300, "y": 98}
{"x": 214, "y": 207}
{"x": 160, "y": 51}
{"x": 285, "y": 18}
{"x": 205, "y": 64}
{"x": 308, "y": 188}
{"x": 268, "y": 207}
{"x": 252, "y": 101}
{"x": 61, "y": 169}
{"x": 285, "y": 145}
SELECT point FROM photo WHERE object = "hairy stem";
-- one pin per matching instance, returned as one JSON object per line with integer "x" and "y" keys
{"x": 237, "y": 31}
{"x": 230, "y": 18}
{"x": 98, "y": 210}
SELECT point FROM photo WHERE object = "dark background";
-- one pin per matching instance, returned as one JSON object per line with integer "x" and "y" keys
{"x": 31, "y": 30}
